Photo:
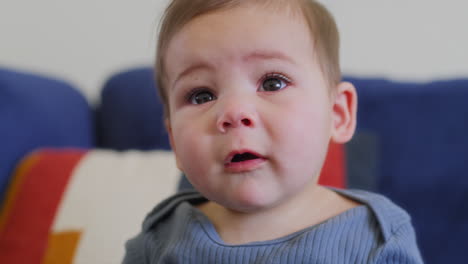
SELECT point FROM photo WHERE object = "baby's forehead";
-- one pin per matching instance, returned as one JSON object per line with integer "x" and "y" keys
{"x": 232, "y": 21}
{"x": 239, "y": 28}
{"x": 276, "y": 8}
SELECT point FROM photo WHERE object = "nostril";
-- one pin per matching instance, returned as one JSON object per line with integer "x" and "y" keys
{"x": 224, "y": 125}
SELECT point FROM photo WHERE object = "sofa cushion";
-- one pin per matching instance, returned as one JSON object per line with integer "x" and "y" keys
{"x": 75, "y": 206}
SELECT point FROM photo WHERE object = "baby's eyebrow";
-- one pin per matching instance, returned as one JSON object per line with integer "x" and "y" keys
{"x": 189, "y": 70}
{"x": 268, "y": 55}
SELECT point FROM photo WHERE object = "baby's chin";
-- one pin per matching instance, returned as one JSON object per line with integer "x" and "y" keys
{"x": 251, "y": 194}
{"x": 248, "y": 203}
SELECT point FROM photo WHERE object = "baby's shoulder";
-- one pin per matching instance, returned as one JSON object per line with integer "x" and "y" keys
{"x": 167, "y": 220}
{"x": 396, "y": 241}
{"x": 389, "y": 216}
{"x": 168, "y": 208}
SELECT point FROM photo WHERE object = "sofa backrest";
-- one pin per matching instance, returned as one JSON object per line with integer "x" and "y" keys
{"x": 416, "y": 133}
{"x": 130, "y": 115}
{"x": 37, "y": 111}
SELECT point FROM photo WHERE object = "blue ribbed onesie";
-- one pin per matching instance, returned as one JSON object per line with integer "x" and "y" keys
{"x": 378, "y": 231}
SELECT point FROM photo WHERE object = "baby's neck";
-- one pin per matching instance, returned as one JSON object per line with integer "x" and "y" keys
{"x": 241, "y": 228}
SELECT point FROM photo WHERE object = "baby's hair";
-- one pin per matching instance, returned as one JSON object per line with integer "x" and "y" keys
{"x": 322, "y": 27}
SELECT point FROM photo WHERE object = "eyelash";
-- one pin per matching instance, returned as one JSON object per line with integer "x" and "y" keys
{"x": 276, "y": 75}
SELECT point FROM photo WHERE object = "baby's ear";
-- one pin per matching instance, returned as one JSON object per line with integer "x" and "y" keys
{"x": 167, "y": 123}
{"x": 344, "y": 112}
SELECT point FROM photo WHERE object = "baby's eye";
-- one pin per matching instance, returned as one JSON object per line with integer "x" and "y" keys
{"x": 201, "y": 97}
{"x": 274, "y": 82}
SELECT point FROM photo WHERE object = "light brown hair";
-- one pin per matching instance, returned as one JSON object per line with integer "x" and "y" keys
{"x": 322, "y": 27}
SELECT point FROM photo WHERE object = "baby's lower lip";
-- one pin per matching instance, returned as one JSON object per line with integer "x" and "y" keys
{"x": 244, "y": 166}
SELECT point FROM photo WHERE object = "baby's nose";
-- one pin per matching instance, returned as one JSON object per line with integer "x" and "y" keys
{"x": 236, "y": 116}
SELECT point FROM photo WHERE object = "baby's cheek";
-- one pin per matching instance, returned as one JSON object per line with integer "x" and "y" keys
{"x": 304, "y": 135}
{"x": 192, "y": 151}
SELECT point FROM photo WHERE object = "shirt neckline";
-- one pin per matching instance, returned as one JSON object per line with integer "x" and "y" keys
{"x": 210, "y": 231}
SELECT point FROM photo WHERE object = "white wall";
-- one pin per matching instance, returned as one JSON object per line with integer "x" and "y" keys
{"x": 415, "y": 39}
{"x": 84, "y": 41}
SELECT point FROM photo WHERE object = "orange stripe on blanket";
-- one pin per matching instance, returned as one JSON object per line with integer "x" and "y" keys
{"x": 62, "y": 247}
{"x": 333, "y": 171}
{"x": 33, "y": 202}
{"x": 17, "y": 180}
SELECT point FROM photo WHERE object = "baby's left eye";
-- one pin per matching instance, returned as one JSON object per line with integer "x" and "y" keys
{"x": 274, "y": 82}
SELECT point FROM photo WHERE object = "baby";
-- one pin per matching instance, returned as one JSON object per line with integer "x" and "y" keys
{"x": 253, "y": 97}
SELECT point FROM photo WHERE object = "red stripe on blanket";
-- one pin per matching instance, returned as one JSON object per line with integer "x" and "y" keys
{"x": 33, "y": 202}
{"x": 333, "y": 171}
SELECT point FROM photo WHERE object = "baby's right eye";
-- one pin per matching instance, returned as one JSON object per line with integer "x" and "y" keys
{"x": 201, "y": 97}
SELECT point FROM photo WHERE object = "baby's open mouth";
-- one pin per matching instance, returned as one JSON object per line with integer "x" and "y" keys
{"x": 244, "y": 157}
{"x": 243, "y": 161}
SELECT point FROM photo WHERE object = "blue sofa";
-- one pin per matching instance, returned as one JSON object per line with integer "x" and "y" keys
{"x": 410, "y": 143}
{"x": 38, "y": 111}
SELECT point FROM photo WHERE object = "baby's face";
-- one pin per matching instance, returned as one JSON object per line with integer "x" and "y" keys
{"x": 250, "y": 111}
